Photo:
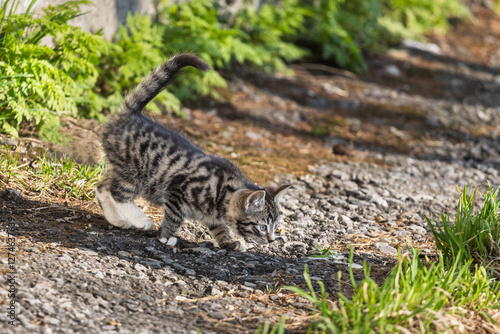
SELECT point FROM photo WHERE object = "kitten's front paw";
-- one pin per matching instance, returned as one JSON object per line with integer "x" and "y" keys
{"x": 143, "y": 224}
{"x": 121, "y": 223}
{"x": 172, "y": 241}
{"x": 241, "y": 246}
{"x": 235, "y": 245}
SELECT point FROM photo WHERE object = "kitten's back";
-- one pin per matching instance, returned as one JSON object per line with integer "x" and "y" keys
{"x": 138, "y": 146}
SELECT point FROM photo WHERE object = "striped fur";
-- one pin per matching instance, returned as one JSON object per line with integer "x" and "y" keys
{"x": 156, "y": 163}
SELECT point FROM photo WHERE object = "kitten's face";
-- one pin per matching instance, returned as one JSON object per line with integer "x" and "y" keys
{"x": 254, "y": 214}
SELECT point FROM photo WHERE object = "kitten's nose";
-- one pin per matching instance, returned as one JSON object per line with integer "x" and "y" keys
{"x": 270, "y": 237}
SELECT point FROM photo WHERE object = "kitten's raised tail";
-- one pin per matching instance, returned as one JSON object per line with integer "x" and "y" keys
{"x": 157, "y": 80}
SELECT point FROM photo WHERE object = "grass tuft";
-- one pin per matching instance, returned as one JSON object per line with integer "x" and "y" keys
{"x": 413, "y": 298}
{"x": 475, "y": 234}
{"x": 325, "y": 253}
{"x": 267, "y": 329}
{"x": 48, "y": 175}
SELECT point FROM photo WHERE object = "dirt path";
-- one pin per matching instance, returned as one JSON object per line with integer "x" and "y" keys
{"x": 404, "y": 134}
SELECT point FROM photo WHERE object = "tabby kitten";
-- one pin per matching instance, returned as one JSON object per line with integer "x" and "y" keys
{"x": 163, "y": 167}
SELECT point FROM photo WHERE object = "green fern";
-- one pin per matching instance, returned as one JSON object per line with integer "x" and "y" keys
{"x": 252, "y": 38}
{"x": 267, "y": 30}
{"x": 415, "y": 18}
{"x": 82, "y": 75}
{"x": 195, "y": 26}
{"x": 42, "y": 83}
{"x": 341, "y": 30}
{"x": 137, "y": 50}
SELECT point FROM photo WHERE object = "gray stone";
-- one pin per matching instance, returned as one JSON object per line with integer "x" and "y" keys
{"x": 47, "y": 309}
{"x": 98, "y": 274}
{"x": 13, "y": 192}
{"x": 207, "y": 244}
{"x": 88, "y": 252}
{"x": 190, "y": 272}
{"x": 51, "y": 321}
{"x": 377, "y": 199}
{"x": 426, "y": 47}
{"x": 253, "y": 135}
{"x": 416, "y": 229}
{"x": 346, "y": 220}
{"x": 218, "y": 315}
{"x": 179, "y": 267}
{"x": 250, "y": 285}
{"x": 140, "y": 267}
{"x": 392, "y": 71}
{"x": 152, "y": 263}
{"x": 350, "y": 186}
{"x": 391, "y": 223}
{"x": 200, "y": 250}
{"x": 402, "y": 234}
{"x": 385, "y": 248}
{"x": 213, "y": 290}
{"x": 356, "y": 266}
{"x": 65, "y": 257}
{"x": 24, "y": 295}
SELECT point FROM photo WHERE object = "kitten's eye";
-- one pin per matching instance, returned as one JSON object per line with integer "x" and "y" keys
{"x": 263, "y": 228}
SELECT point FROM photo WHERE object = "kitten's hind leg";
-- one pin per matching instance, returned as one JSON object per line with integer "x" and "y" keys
{"x": 222, "y": 234}
{"x": 172, "y": 220}
{"x": 118, "y": 207}
{"x": 109, "y": 207}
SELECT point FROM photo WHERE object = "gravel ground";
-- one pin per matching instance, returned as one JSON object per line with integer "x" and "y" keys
{"x": 127, "y": 282}
{"x": 77, "y": 274}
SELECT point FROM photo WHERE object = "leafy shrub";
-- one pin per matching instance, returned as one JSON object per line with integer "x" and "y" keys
{"x": 340, "y": 29}
{"x": 39, "y": 82}
{"x": 415, "y": 18}
{"x": 251, "y": 37}
{"x": 142, "y": 45}
{"x": 268, "y": 30}
{"x": 80, "y": 74}
{"x": 137, "y": 50}
{"x": 195, "y": 26}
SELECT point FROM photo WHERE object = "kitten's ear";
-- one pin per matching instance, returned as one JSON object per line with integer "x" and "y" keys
{"x": 255, "y": 201}
{"x": 276, "y": 193}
